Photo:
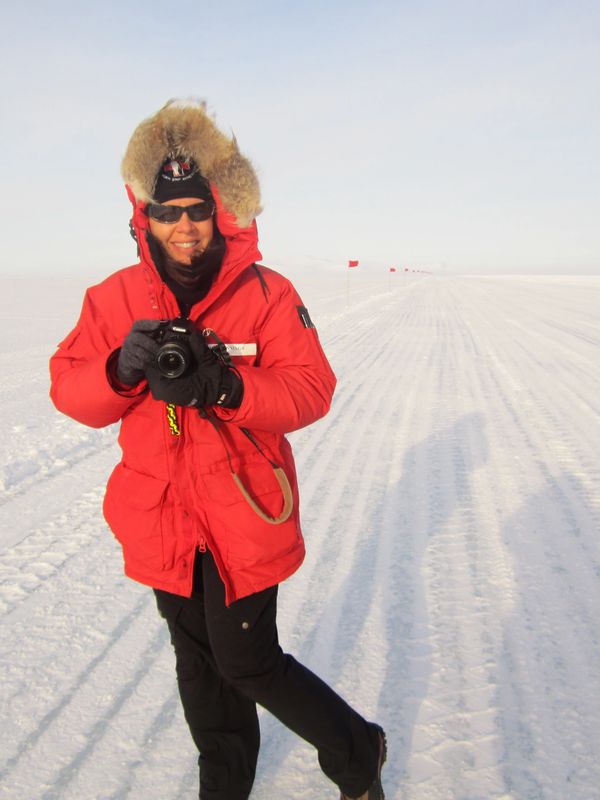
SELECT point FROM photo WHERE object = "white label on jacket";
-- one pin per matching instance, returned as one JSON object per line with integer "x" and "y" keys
{"x": 247, "y": 349}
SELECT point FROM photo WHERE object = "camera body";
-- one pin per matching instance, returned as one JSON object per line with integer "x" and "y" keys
{"x": 174, "y": 357}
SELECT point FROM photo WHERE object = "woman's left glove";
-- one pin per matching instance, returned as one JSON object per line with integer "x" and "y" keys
{"x": 137, "y": 351}
{"x": 207, "y": 382}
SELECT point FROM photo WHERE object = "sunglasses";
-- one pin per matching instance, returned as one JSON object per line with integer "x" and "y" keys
{"x": 169, "y": 215}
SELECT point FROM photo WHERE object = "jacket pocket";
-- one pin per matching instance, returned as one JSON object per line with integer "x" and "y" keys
{"x": 134, "y": 509}
{"x": 244, "y": 535}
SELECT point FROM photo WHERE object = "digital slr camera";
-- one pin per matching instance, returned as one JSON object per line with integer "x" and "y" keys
{"x": 174, "y": 356}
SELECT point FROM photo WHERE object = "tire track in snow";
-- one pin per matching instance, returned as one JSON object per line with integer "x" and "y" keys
{"x": 454, "y": 723}
{"x": 43, "y": 552}
{"x": 47, "y": 462}
{"x": 557, "y": 437}
{"x": 538, "y": 652}
{"x": 94, "y": 731}
{"x": 116, "y": 684}
{"x": 50, "y": 719}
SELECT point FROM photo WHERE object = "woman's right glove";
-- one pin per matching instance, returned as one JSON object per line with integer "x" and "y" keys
{"x": 137, "y": 352}
{"x": 208, "y": 382}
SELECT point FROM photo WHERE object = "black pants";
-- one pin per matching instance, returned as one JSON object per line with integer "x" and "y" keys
{"x": 229, "y": 659}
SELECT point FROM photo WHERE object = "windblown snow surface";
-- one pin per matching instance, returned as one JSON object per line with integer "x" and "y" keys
{"x": 450, "y": 502}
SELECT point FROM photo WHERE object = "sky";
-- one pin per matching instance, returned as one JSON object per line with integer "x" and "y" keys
{"x": 457, "y": 137}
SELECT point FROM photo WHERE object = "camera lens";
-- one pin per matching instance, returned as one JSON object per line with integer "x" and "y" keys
{"x": 172, "y": 360}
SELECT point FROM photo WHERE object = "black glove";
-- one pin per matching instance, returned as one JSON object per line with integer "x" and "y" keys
{"x": 137, "y": 352}
{"x": 209, "y": 382}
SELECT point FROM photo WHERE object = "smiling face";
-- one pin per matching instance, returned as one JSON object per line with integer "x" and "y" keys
{"x": 184, "y": 240}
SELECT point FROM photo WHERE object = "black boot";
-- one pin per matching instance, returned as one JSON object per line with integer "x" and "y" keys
{"x": 375, "y": 790}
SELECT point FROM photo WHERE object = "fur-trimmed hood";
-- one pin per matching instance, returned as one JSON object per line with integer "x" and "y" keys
{"x": 185, "y": 130}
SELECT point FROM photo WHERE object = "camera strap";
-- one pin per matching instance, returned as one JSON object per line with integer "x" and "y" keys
{"x": 220, "y": 349}
{"x": 281, "y": 477}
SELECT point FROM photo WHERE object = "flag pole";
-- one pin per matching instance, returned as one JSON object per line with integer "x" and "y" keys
{"x": 350, "y": 265}
{"x": 391, "y": 269}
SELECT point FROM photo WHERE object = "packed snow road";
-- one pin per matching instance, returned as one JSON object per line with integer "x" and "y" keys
{"x": 451, "y": 506}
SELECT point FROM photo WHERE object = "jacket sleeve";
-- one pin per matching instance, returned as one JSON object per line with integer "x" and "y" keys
{"x": 292, "y": 383}
{"x": 79, "y": 380}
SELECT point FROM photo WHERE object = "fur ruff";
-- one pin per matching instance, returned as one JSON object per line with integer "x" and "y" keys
{"x": 187, "y": 131}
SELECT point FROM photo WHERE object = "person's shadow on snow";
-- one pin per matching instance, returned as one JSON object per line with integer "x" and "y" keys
{"x": 548, "y": 652}
{"x": 437, "y": 468}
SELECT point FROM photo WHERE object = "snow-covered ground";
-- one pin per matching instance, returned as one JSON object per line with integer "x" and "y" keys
{"x": 451, "y": 506}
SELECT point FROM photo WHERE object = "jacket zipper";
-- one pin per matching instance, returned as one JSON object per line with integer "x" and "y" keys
{"x": 201, "y": 543}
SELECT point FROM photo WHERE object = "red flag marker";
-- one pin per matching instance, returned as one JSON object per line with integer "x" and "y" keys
{"x": 350, "y": 264}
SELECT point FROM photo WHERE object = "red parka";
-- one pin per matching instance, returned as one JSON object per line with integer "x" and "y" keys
{"x": 171, "y": 495}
